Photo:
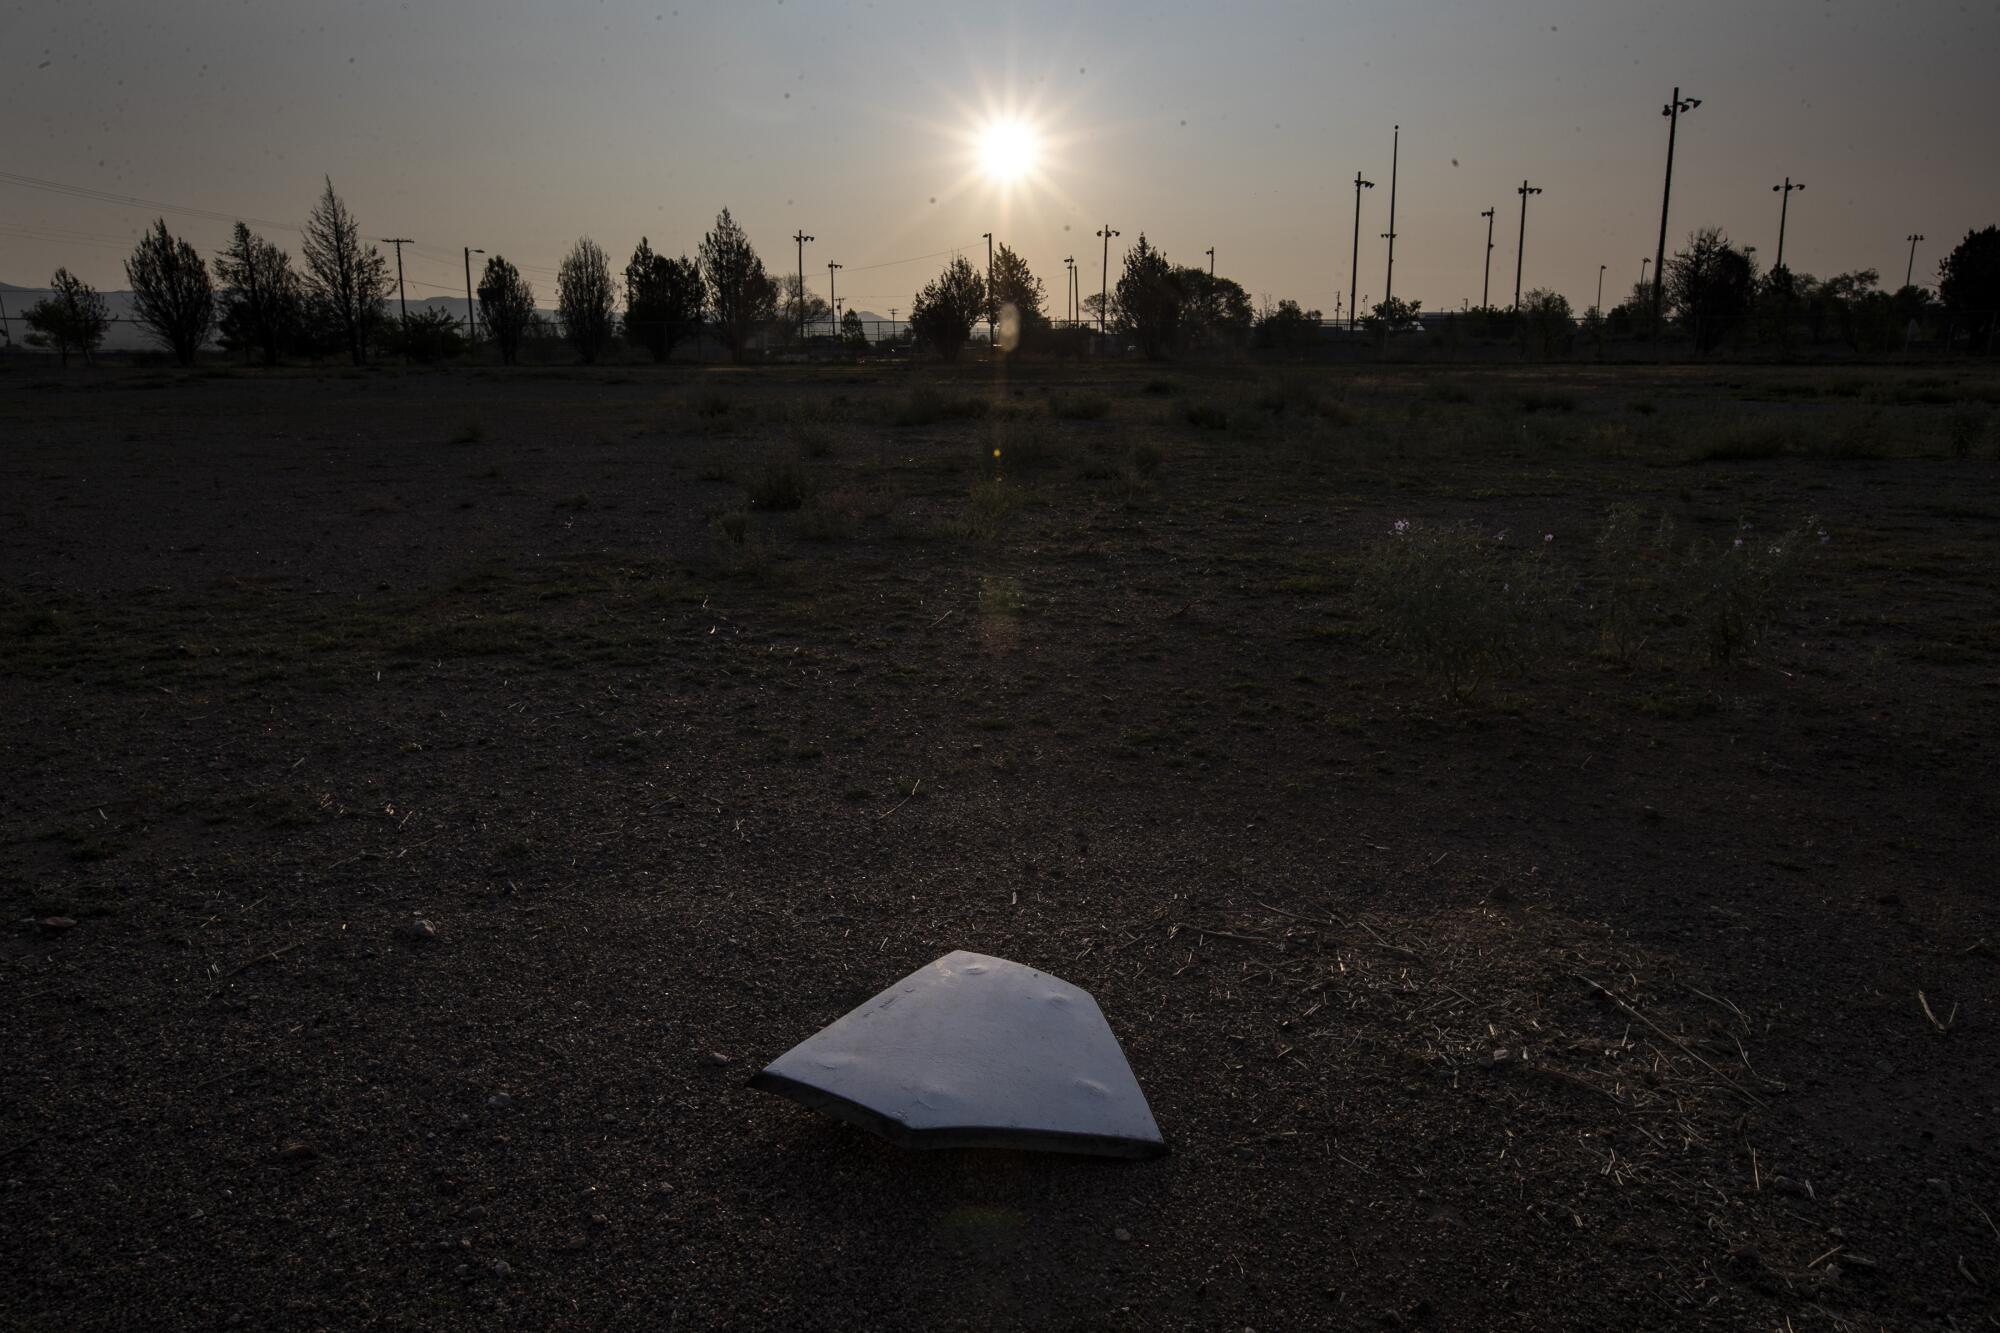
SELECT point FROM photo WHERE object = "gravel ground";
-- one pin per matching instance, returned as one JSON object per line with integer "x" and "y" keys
{"x": 424, "y": 816}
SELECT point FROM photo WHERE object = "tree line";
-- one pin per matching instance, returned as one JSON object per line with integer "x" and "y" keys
{"x": 253, "y": 299}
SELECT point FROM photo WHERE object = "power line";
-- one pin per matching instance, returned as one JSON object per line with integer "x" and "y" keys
{"x": 136, "y": 201}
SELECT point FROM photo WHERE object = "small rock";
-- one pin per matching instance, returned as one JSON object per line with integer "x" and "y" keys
{"x": 502, "y": 1269}
{"x": 599, "y": 1220}
{"x": 297, "y": 1150}
{"x": 422, "y": 931}
{"x": 57, "y": 924}
{"x": 1884, "y": 1068}
{"x": 714, "y": 1059}
{"x": 499, "y": 1101}
{"x": 1121, "y": 1234}
{"x": 575, "y": 1242}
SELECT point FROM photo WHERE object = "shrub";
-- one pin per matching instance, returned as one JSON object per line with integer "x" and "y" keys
{"x": 735, "y": 525}
{"x": 1207, "y": 416}
{"x": 1147, "y": 459}
{"x": 1080, "y": 406}
{"x": 1967, "y": 427}
{"x": 1731, "y": 591}
{"x": 1160, "y": 388}
{"x": 927, "y": 407}
{"x": 1638, "y": 558}
{"x": 1455, "y": 603}
{"x": 1548, "y": 400}
{"x": 987, "y": 507}
{"x": 1021, "y": 451}
{"x": 782, "y": 484}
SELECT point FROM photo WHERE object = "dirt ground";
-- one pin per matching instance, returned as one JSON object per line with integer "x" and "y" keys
{"x": 431, "y": 795}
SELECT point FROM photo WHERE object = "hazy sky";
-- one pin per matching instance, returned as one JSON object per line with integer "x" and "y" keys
{"x": 517, "y": 127}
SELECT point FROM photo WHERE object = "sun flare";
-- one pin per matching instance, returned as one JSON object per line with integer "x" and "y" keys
{"x": 1008, "y": 151}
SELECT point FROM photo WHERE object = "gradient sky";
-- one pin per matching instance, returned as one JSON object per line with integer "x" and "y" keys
{"x": 517, "y": 127}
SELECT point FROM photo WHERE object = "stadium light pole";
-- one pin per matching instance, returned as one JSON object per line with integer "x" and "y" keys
{"x": 799, "y": 304}
{"x": 1911, "y": 270}
{"x": 1211, "y": 263}
{"x": 1783, "y": 209}
{"x": 1672, "y": 111}
{"x": 1395, "y": 156}
{"x": 1486, "y": 283}
{"x": 832, "y": 302}
{"x": 1354, "y": 261}
{"x": 471, "y": 311}
{"x": 1104, "y": 281}
{"x": 988, "y": 238}
{"x": 1600, "y": 290}
{"x": 1069, "y": 296}
{"x": 1521, "y": 244}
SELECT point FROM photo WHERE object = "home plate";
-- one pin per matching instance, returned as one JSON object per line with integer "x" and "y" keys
{"x": 972, "y": 1051}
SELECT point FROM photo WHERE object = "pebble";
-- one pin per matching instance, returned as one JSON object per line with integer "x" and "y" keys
{"x": 501, "y": 1268}
{"x": 53, "y": 923}
{"x": 1121, "y": 1234}
{"x": 714, "y": 1059}
{"x": 499, "y": 1101}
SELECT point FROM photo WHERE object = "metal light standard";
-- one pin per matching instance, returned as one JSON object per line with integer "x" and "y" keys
{"x": 1354, "y": 263}
{"x": 1486, "y": 282}
{"x": 1520, "y": 246}
{"x": 990, "y": 312}
{"x": 1911, "y": 270}
{"x": 1783, "y": 209}
{"x": 1104, "y": 282}
{"x": 1395, "y": 157}
{"x": 832, "y": 301}
{"x": 471, "y": 311}
{"x": 1672, "y": 111}
{"x": 803, "y": 241}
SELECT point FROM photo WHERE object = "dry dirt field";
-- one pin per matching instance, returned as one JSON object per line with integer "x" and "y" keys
{"x": 429, "y": 796}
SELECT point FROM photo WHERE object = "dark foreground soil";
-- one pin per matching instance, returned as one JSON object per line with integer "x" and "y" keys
{"x": 422, "y": 814}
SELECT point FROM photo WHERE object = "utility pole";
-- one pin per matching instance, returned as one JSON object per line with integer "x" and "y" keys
{"x": 1600, "y": 291}
{"x": 1395, "y": 155}
{"x": 399, "y": 242}
{"x": 1521, "y": 245}
{"x": 1643, "y": 261}
{"x": 988, "y": 236}
{"x": 7, "y": 335}
{"x": 799, "y": 306}
{"x": 1672, "y": 111}
{"x": 1911, "y": 270}
{"x": 1486, "y": 283}
{"x": 1354, "y": 261}
{"x": 1783, "y": 209}
{"x": 1069, "y": 294}
{"x": 1104, "y": 282}
{"x": 1211, "y": 261}
{"x": 832, "y": 301}
{"x": 471, "y": 311}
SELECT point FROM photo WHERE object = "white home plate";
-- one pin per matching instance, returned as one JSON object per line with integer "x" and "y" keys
{"x": 974, "y": 1051}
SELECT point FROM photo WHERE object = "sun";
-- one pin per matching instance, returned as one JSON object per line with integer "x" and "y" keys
{"x": 1008, "y": 151}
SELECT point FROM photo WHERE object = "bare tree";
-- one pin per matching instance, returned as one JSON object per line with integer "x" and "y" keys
{"x": 261, "y": 295}
{"x": 506, "y": 306}
{"x": 586, "y": 302}
{"x": 171, "y": 292}
{"x": 349, "y": 281}
{"x": 741, "y": 296}
{"x": 71, "y": 319}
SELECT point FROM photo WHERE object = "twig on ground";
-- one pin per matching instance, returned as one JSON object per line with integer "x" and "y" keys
{"x": 1941, "y": 1027}
{"x": 1684, "y": 1048}
{"x": 270, "y": 957}
{"x": 905, "y": 801}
